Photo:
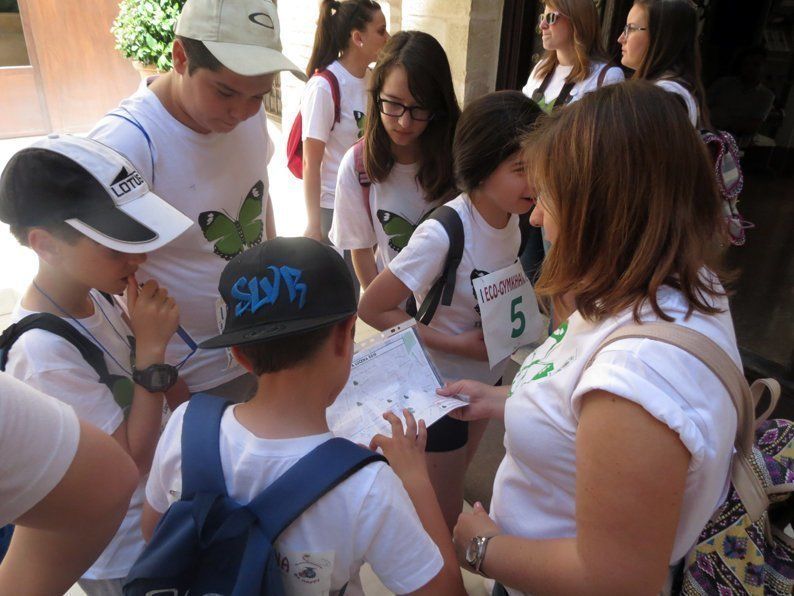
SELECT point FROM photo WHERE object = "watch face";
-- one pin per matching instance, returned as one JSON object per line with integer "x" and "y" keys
{"x": 160, "y": 377}
{"x": 471, "y": 552}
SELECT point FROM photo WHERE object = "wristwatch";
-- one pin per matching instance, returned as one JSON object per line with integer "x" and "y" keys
{"x": 475, "y": 553}
{"x": 156, "y": 378}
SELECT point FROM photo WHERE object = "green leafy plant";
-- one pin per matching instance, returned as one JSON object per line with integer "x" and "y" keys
{"x": 144, "y": 30}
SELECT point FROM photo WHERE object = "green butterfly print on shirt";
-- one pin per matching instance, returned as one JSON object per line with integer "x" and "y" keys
{"x": 361, "y": 122}
{"x": 232, "y": 236}
{"x": 398, "y": 229}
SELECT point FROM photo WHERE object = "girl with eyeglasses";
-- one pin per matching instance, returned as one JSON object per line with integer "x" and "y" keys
{"x": 489, "y": 170}
{"x": 574, "y": 63}
{"x": 349, "y": 36}
{"x": 406, "y": 154}
{"x": 659, "y": 42}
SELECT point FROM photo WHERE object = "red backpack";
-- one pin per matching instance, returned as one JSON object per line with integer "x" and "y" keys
{"x": 294, "y": 141}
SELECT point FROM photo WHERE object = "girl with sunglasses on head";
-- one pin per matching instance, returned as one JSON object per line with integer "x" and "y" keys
{"x": 489, "y": 170}
{"x": 660, "y": 44}
{"x": 574, "y": 62}
{"x": 349, "y": 36}
{"x": 406, "y": 154}
{"x": 616, "y": 458}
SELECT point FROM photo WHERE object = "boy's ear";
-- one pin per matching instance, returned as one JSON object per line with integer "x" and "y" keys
{"x": 240, "y": 357}
{"x": 44, "y": 244}
{"x": 343, "y": 335}
{"x": 179, "y": 57}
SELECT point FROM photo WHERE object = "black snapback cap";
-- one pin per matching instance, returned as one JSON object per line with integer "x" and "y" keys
{"x": 283, "y": 287}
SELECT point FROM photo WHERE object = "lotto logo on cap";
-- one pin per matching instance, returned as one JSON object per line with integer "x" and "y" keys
{"x": 244, "y": 35}
{"x": 282, "y": 287}
{"x": 92, "y": 188}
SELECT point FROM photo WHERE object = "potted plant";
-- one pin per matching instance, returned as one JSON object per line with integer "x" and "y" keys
{"x": 144, "y": 31}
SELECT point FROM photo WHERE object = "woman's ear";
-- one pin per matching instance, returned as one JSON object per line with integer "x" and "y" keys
{"x": 356, "y": 39}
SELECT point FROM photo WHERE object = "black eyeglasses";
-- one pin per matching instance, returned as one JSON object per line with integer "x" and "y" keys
{"x": 395, "y": 110}
{"x": 631, "y": 28}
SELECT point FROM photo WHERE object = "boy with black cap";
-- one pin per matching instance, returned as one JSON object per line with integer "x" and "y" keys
{"x": 90, "y": 217}
{"x": 290, "y": 320}
{"x": 198, "y": 135}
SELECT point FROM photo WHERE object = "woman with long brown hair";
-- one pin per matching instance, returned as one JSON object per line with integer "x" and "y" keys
{"x": 574, "y": 62}
{"x": 615, "y": 458}
{"x": 659, "y": 42}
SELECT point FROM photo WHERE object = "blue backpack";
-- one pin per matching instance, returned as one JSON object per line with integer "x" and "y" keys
{"x": 207, "y": 543}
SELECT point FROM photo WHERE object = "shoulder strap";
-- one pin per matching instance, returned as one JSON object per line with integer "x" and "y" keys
{"x": 525, "y": 228}
{"x": 602, "y": 75}
{"x": 314, "y": 475}
{"x": 361, "y": 172}
{"x": 544, "y": 84}
{"x": 91, "y": 353}
{"x": 335, "y": 95}
{"x": 125, "y": 114}
{"x": 744, "y": 478}
{"x": 444, "y": 287}
{"x": 201, "y": 456}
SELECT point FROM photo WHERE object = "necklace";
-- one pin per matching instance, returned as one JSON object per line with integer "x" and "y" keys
{"x": 85, "y": 329}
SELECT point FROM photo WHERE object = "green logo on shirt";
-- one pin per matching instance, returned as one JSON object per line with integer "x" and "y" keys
{"x": 232, "y": 236}
{"x": 540, "y": 365}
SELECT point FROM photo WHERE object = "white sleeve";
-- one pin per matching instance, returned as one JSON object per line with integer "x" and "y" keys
{"x": 317, "y": 110}
{"x": 38, "y": 442}
{"x": 164, "y": 485}
{"x": 352, "y": 224}
{"x": 531, "y": 83}
{"x": 389, "y": 531}
{"x": 55, "y": 367}
{"x": 421, "y": 262}
{"x": 668, "y": 383}
{"x": 686, "y": 96}
{"x": 127, "y": 139}
{"x": 614, "y": 75}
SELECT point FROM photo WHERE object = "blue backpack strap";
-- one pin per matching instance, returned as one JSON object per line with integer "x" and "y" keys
{"x": 90, "y": 352}
{"x": 125, "y": 114}
{"x": 442, "y": 290}
{"x": 315, "y": 474}
{"x": 202, "y": 471}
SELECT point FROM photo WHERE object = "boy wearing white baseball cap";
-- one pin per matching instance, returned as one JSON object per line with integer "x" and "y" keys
{"x": 90, "y": 217}
{"x": 198, "y": 135}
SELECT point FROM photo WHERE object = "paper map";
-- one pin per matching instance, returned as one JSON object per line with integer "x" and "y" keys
{"x": 390, "y": 372}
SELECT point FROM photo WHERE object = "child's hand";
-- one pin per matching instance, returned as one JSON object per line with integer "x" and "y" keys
{"x": 476, "y": 523}
{"x": 485, "y": 401}
{"x": 154, "y": 317}
{"x": 404, "y": 450}
{"x": 471, "y": 344}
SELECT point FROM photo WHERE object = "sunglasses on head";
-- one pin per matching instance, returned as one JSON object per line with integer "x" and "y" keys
{"x": 550, "y": 18}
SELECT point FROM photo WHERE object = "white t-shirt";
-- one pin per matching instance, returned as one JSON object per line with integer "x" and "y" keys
{"x": 220, "y": 182}
{"x": 612, "y": 76}
{"x": 397, "y": 206}
{"x": 486, "y": 250}
{"x": 38, "y": 441}
{"x": 534, "y": 490}
{"x": 366, "y": 518}
{"x": 317, "y": 113}
{"x": 691, "y": 105}
{"x": 54, "y": 366}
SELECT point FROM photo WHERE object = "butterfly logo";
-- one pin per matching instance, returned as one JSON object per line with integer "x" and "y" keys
{"x": 474, "y": 275}
{"x": 232, "y": 236}
{"x": 361, "y": 122}
{"x": 398, "y": 229}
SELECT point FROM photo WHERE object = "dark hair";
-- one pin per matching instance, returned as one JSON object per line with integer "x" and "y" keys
{"x": 60, "y": 229}
{"x": 640, "y": 212}
{"x": 198, "y": 56}
{"x": 336, "y": 21}
{"x": 430, "y": 82}
{"x": 673, "y": 52}
{"x": 586, "y": 29}
{"x": 285, "y": 352}
{"x": 489, "y": 131}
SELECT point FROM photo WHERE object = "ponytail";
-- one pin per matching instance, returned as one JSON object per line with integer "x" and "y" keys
{"x": 337, "y": 20}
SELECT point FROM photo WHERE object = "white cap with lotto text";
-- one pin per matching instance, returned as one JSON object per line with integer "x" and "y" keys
{"x": 244, "y": 35}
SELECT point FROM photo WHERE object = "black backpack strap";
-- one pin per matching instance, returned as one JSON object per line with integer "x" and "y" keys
{"x": 314, "y": 475}
{"x": 442, "y": 290}
{"x": 562, "y": 98}
{"x": 202, "y": 471}
{"x": 90, "y": 352}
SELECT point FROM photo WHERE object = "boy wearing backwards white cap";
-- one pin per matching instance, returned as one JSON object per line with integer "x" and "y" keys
{"x": 198, "y": 135}
{"x": 90, "y": 218}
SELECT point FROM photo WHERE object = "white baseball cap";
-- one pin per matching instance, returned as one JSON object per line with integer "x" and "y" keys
{"x": 91, "y": 187}
{"x": 244, "y": 35}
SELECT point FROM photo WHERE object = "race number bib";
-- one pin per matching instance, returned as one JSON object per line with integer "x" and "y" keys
{"x": 509, "y": 311}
